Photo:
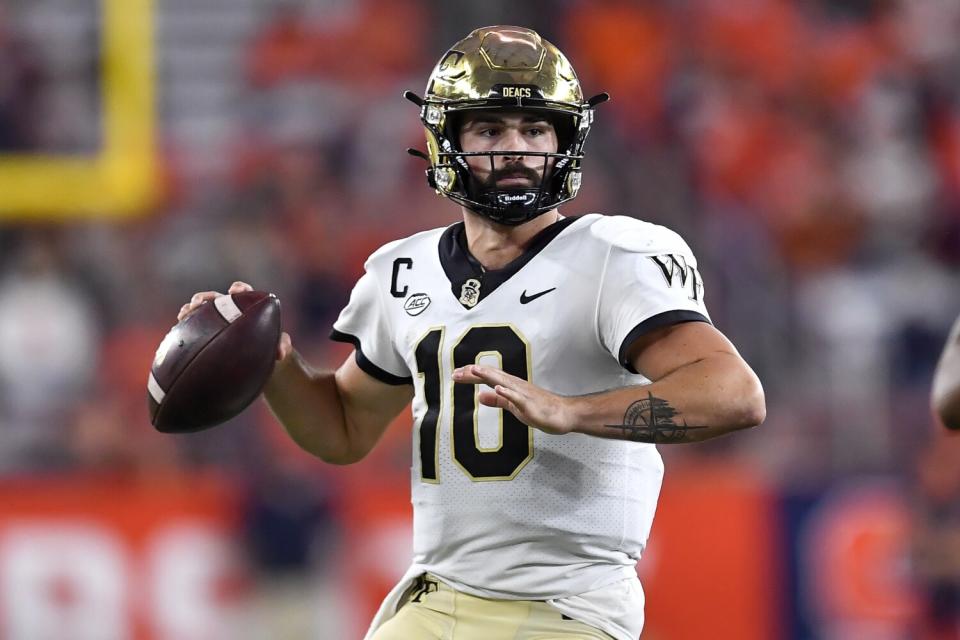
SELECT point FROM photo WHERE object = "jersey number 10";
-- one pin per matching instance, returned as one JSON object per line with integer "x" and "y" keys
{"x": 515, "y": 449}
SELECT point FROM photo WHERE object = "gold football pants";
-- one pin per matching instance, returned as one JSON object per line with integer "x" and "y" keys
{"x": 432, "y": 610}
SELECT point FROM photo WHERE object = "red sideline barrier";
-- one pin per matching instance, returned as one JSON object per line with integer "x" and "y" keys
{"x": 100, "y": 557}
{"x": 710, "y": 569}
{"x": 97, "y": 557}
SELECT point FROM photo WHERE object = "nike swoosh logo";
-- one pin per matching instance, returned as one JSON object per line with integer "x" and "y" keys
{"x": 524, "y": 298}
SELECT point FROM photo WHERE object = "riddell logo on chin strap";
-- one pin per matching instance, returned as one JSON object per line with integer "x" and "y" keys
{"x": 517, "y": 198}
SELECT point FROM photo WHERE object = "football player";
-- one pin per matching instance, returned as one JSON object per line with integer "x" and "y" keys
{"x": 945, "y": 395}
{"x": 546, "y": 357}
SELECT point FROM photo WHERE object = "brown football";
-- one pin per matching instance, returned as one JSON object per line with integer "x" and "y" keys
{"x": 214, "y": 362}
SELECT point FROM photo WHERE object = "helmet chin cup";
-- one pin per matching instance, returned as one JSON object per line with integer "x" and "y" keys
{"x": 510, "y": 207}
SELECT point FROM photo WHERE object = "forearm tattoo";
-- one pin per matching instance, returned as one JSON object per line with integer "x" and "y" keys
{"x": 652, "y": 420}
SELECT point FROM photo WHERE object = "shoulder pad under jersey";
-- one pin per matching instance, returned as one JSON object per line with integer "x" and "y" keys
{"x": 391, "y": 249}
{"x": 637, "y": 236}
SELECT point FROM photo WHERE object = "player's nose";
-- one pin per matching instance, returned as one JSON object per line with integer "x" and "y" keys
{"x": 512, "y": 140}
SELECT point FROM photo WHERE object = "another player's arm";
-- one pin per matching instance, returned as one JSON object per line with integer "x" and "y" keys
{"x": 945, "y": 395}
{"x": 700, "y": 388}
{"x": 337, "y": 416}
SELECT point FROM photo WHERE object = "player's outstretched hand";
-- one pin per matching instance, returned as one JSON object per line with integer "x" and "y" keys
{"x": 532, "y": 405}
{"x": 284, "y": 347}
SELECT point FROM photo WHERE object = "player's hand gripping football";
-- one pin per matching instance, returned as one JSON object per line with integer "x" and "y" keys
{"x": 531, "y": 404}
{"x": 284, "y": 347}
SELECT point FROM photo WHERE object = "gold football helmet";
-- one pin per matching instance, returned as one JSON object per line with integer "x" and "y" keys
{"x": 504, "y": 68}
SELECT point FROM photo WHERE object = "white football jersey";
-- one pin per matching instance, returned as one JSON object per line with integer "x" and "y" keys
{"x": 503, "y": 510}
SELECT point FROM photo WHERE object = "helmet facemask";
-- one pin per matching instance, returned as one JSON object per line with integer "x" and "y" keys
{"x": 509, "y": 205}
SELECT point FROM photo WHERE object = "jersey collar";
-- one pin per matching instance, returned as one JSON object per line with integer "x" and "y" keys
{"x": 460, "y": 265}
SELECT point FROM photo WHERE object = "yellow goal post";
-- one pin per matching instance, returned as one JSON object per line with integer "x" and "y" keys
{"x": 121, "y": 178}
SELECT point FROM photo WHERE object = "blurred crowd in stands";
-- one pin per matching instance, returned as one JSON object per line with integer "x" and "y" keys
{"x": 809, "y": 152}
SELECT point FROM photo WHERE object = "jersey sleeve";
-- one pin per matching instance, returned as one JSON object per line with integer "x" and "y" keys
{"x": 647, "y": 288}
{"x": 364, "y": 323}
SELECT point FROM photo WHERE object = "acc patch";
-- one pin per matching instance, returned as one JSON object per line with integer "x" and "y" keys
{"x": 416, "y": 304}
{"x": 513, "y": 199}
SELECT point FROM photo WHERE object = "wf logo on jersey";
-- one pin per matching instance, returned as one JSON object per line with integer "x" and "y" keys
{"x": 676, "y": 272}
